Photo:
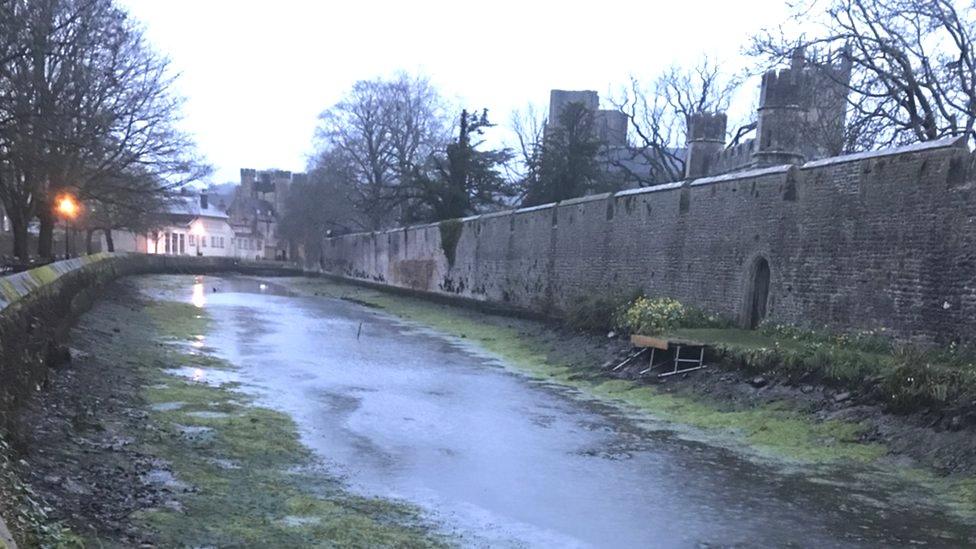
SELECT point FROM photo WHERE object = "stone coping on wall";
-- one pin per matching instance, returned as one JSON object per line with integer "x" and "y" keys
{"x": 944, "y": 143}
{"x": 586, "y": 199}
{"x": 947, "y": 142}
{"x": 16, "y": 286}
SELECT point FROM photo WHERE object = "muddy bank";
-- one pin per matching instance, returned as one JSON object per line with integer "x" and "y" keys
{"x": 126, "y": 446}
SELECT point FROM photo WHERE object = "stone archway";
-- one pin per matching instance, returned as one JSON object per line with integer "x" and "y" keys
{"x": 757, "y": 294}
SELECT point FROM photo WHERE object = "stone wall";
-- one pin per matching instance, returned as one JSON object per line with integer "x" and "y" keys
{"x": 869, "y": 241}
{"x": 38, "y": 306}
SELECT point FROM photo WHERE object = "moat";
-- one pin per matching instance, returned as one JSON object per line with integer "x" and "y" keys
{"x": 402, "y": 412}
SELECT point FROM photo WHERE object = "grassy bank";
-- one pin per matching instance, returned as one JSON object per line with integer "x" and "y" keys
{"x": 777, "y": 430}
{"x": 241, "y": 475}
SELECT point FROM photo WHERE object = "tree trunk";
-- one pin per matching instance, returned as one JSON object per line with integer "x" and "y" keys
{"x": 109, "y": 243}
{"x": 21, "y": 247}
{"x": 45, "y": 240}
{"x": 89, "y": 248}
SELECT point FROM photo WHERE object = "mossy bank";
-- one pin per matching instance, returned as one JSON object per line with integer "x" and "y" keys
{"x": 178, "y": 455}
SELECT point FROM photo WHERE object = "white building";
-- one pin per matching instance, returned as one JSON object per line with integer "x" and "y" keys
{"x": 193, "y": 226}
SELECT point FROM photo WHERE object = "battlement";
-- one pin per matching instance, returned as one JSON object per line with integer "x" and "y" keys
{"x": 735, "y": 158}
{"x": 707, "y": 126}
{"x": 798, "y": 85}
{"x": 802, "y": 110}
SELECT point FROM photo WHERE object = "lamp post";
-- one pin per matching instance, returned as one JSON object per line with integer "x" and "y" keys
{"x": 68, "y": 209}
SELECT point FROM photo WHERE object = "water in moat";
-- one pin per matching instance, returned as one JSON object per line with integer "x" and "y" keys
{"x": 497, "y": 459}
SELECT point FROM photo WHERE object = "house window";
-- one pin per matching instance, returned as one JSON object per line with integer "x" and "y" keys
{"x": 213, "y": 241}
{"x": 221, "y": 242}
{"x": 182, "y": 244}
{"x": 166, "y": 237}
{"x": 191, "y": 240}
{"x": 203, "y": 241}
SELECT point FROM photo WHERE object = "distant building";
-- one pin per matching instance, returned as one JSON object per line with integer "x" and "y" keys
{"x": 190, "y": 226}
{"x": 194, "y": 226}
{"x": 256, "y": 209}
{"x": 610, "y": 125}
{"x": 801, "y": 117}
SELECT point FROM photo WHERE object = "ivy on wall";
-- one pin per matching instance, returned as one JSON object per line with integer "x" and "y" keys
{"x": 450, "y": 235}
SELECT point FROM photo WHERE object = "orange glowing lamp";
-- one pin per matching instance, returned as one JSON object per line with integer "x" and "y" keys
{"x": 67, "y": 206}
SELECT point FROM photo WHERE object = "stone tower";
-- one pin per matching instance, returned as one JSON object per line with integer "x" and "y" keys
{"x": 560, "y": 99}
{"x": 801, "y": 112}
{"x": 706, "y": 139}
{"x": 248, "y": 176}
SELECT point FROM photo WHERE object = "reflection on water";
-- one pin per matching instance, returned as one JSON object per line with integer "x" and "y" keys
{"x": 199, "y": 298}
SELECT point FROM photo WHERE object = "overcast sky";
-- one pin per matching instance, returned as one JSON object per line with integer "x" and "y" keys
{"x": 257, "y": 73}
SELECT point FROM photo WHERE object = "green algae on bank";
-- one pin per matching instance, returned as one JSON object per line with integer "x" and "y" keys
{"x": 243, "y": 474}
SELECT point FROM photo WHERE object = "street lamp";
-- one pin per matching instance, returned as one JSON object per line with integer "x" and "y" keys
{"x": 68, "y": 208}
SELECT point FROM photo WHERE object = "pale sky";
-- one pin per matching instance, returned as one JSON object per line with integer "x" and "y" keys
{"x": 256, "y": 74}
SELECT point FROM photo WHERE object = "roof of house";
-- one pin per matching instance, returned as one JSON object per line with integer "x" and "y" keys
{"x": 190, "y": 206}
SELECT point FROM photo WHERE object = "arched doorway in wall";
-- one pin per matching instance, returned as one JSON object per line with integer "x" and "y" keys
{"x": 757, "y": 293}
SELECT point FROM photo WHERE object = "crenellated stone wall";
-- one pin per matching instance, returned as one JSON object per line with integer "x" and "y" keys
{"x": 868, "y": 241}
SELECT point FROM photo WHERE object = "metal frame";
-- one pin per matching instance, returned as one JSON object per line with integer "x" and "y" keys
{"x": 654, "y": 344}
{"x": 630, "y": 358}
{"x": 699, "y": 362}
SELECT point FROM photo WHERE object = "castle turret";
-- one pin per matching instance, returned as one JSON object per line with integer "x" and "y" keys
{"x": 801, "y": 112}
{"x": 247, "y": 181}
{"x": 706, "y": 138}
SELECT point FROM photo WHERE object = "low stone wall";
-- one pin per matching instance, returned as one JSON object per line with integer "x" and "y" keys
{"x": 38, "y": 306}
{"x": 878, "y": 241}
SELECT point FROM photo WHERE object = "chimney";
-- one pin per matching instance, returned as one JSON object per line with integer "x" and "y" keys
{"x": 203, "y": 201}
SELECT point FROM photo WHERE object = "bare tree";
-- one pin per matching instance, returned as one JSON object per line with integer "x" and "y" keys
{"x": 86, "y": 103}
{"x": 525, "y": 169}
{"x": 135, "y": 203}
{"x": 417, "y": 121}
{"x": 913, "y": 68}
{"x": 658, "y": 117}
{"x": 383, "y": 129}
{"x": 320, "y": 205}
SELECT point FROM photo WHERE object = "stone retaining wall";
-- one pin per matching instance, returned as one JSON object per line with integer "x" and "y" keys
{"x": 878, "y": 241}
{"x": 38, "y": 306}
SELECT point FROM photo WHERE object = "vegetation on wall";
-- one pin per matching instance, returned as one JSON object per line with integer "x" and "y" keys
{"x": 450, "y": 235}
